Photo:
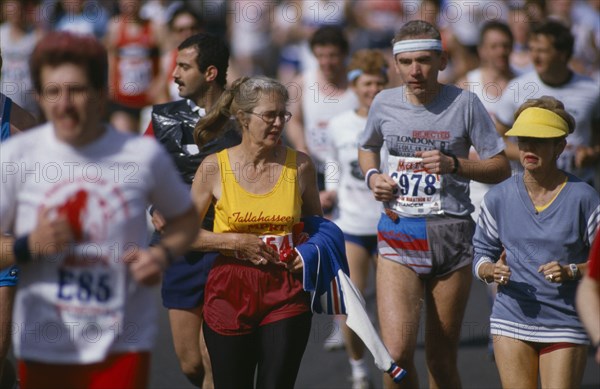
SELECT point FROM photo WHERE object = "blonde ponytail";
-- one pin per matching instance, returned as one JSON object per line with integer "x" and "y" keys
{"x": 244, "y": 94}
{"x": 211, "y": 125}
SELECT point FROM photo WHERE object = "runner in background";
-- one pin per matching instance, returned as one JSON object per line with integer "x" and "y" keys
{"x": 358, "y": 212}
{"x": 488, "y": 81}
{"x": 319, "y": 94}
{"x": 551, "y": 45}
{"x": 133, "y": 46}
{"x": 323, "y": 93}
{"x": 79, "y": 17}
{"x": 13, "y": 119}
{"x": 183, "y": 23}
{"x": 18, "y": 37}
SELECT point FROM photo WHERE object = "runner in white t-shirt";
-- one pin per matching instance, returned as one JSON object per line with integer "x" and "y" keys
{"x": 487, "y": 82}
{"x": 72, "y": 216}
{"x": 322, "y": 93}
{"x": 358, "y": 212}
{"x": 551, "y": 46}
{"x": 17, "y": 39}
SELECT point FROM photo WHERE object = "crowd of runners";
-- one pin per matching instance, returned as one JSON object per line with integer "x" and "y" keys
{"x": 190, "y": 145}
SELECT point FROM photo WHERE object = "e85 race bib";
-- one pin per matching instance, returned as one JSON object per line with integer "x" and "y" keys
{"x": 418, "y": 192}
{"x": 84, "y": 286}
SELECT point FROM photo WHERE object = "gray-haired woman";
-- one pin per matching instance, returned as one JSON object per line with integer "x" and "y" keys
{"x": 257, "y": 315}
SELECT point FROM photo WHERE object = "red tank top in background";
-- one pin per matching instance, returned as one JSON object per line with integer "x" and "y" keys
{"x": 136, "y": 65}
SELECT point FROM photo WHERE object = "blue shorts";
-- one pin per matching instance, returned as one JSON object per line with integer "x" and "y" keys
{"x": 184, "y": 281}
{"x": 368, "y": 242}
{"x": 9, "y": 276}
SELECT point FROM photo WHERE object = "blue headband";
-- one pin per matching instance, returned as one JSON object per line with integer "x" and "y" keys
{"x": 355, "y": 73}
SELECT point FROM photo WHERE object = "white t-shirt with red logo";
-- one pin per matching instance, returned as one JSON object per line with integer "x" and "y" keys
{"x": 82, "y": 304}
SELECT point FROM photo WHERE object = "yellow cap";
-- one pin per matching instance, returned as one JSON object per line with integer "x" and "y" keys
{"x": 538, "y": 122}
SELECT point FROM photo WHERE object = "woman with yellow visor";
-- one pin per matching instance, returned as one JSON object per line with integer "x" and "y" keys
{"x": 533, "y": 237}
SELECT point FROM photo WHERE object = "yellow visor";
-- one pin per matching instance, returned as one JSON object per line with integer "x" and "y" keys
{"x": 537, "y": 122}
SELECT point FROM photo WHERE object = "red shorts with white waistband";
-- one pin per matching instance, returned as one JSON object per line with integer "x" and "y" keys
{"x": 123, "y": 370}
{"x": 240, "y": 296}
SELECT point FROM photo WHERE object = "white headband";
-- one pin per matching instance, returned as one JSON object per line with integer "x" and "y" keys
{"x": 417, "y": 45}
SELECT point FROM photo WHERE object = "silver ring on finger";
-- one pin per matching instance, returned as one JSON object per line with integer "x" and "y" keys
{"x": 502, "y": 279}
{"x": 549, "y": 277}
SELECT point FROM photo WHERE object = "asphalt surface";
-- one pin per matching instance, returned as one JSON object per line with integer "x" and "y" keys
{"x": 330, "y": 370}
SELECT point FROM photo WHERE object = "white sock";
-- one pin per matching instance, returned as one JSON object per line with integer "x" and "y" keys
{"x": 359, "y": 368}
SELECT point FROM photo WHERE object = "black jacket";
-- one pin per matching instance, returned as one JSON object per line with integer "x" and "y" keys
{"x": 173, "y": 125}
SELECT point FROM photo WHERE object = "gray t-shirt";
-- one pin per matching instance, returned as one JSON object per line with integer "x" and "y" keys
{"x": 454, "y": 121}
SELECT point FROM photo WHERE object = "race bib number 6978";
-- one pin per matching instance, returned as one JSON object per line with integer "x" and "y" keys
{"x": 418, "y": 192}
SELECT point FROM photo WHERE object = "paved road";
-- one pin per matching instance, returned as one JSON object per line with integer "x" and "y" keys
{"x": 330, "y": 370}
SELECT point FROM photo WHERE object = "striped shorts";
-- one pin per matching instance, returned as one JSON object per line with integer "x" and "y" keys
{"x": 431, "y": 246}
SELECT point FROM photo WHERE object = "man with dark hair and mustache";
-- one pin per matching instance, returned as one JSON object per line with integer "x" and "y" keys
{"x": 200, "y": 73}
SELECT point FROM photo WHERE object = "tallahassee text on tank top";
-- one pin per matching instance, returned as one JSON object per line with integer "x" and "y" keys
{"x": 269, "y": 214}
{"x": 319, "y": 105}
{"x": 136, "y": 66}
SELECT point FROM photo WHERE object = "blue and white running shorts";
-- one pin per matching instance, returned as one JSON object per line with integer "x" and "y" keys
{"x": 431, "y": 246}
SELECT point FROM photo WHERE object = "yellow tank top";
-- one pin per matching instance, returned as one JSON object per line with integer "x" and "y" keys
{"x": 272, "y": 213}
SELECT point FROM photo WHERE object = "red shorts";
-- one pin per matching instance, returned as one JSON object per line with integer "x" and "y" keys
{"x": 124, "y": 370}
{"x": 240, "y": 296}
{"x": 545, "y": 348}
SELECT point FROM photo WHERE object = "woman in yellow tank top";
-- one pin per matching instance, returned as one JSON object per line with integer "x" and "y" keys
{"x": 257, "y": 316}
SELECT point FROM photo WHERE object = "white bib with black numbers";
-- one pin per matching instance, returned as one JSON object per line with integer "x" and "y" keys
{"x": 90, "y": 291}
{"x": 418, "y": 193}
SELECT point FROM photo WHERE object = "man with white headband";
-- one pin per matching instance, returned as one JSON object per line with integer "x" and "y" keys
{"x": 424, "y": 236}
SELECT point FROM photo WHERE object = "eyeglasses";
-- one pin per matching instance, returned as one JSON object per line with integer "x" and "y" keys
{"x": 270, "y": 116}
